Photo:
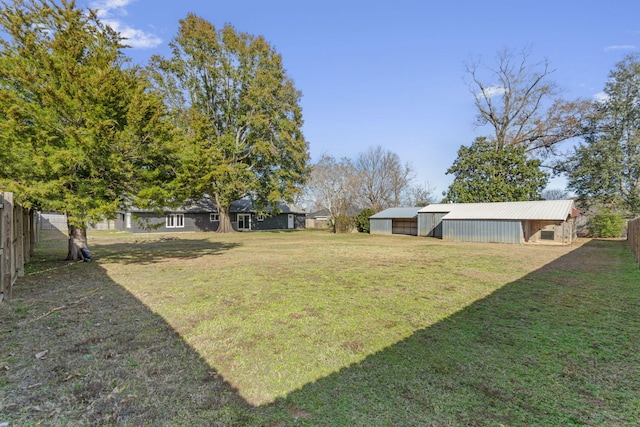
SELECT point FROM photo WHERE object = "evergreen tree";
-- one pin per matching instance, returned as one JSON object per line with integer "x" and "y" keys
{"x": 605, "y": 170}
{"x": 79, "y": 132}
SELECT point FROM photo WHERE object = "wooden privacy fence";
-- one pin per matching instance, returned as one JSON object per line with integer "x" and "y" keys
{"x": 18, "y": 234}
{"x": 633, "y": 235}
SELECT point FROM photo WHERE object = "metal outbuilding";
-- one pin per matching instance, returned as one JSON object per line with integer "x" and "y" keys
{"x": 395, "y": 221}
{"x": 545, "y": 221}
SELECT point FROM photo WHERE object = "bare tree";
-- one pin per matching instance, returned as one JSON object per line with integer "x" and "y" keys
{"x": 522, "y": 103}
{"x": 383, "y": 178}
{"x": 420, "y": 195}
{"x": 334, "y": 186}
{"x": 554, "y": 194}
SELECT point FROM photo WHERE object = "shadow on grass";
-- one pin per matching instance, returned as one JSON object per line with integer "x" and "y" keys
{"x": 560, "y": 346}
{"x": 154, "y": 251}
{"x": 144, "y": 251}
{"x": 78, "y": 349}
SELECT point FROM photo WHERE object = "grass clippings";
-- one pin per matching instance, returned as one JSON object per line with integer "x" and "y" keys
{"x": 309, "y": 328}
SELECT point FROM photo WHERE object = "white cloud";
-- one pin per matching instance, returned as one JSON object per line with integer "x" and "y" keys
{"x": 134, "y": 37}
{"x": 600, "y": 96}
{"x": 106, "y": 6}
{"x": 620, "y": 47}
{"x": 109, "y": 12}
{"x": 491, "y": 91}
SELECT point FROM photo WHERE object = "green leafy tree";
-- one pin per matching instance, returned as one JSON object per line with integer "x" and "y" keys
{"x": 238, "y": 117}
{"x": 362, "y": 220}
{"x": 605, "y": 169}
{"x": 607, "y": 224}
{"x": 485, "y": 173}
{"x": 79, "y": 132}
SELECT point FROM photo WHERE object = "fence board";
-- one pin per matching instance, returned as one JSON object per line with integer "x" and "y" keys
{"x": 17, "y": 239}
{"x": 2, "y": 234}
{"x": 633, "y": 235}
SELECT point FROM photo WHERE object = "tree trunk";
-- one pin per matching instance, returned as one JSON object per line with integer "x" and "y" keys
{"x": 77, "y": 241}
{"x": 225, "y": 226}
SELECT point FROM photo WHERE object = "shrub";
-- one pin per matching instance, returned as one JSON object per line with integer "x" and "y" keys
{"x": 606, "y": 224}
{"x": 362, "y": 220}
{"x": 343, "y": 223}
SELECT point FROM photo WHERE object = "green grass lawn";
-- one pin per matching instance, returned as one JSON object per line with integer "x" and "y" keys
{"x": 310, "y": 328}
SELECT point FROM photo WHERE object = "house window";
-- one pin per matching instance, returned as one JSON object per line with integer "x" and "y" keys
{"x": 547, "y": 235}
{"x": 260, "y": 217}
{"x": 127, "y": 220}
{"x": 213, "y": 217}
{"x": 175, "y": 221}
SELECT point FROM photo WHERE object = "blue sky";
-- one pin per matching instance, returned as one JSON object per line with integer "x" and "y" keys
{"x": 392, "y": 73}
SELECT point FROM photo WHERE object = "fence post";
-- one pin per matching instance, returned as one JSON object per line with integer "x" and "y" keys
{"x": 34, "y": 230}
{"x": 8, "y": 262}
{"x": 18, "y": 238}
{"x": 26, "y": 236}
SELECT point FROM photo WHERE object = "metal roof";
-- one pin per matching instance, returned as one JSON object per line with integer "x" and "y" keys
{"x": 397, "y": 213}
{"x": 552, "y": 210}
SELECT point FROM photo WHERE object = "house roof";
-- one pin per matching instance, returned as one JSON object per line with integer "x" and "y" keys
{"x": 552, "y": 210}
{"x": 246, "y": 205}
{"x": 205, "y": 205}
{"x": 397, "y": 213}
{"x": 321, "y": 213}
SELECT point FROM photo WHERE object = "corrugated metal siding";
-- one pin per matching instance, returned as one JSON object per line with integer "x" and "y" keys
{"x": 380, "y": 226}
{"x": 430, "y": 224}
{"x": 423, "y": 224}
{"x": 487, "y": 231}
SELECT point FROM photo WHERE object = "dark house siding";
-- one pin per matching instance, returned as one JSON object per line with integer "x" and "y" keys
{"x": 147, "y": 222}
{"x": 278, "y": 222}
